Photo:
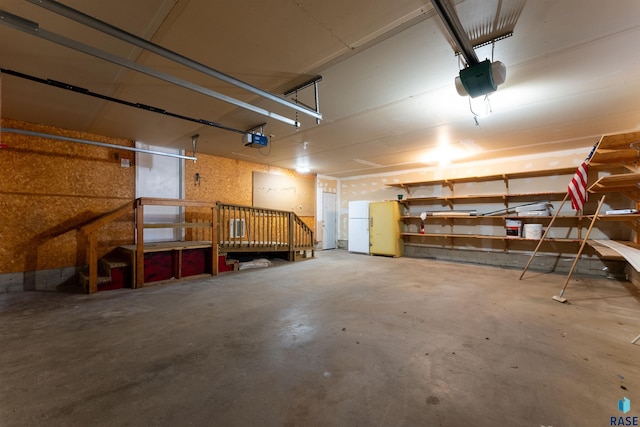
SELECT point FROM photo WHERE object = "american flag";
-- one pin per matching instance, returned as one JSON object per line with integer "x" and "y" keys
{"x": 578, "y": 185}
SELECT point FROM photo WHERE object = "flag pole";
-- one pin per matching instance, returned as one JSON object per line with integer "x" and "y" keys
{"x": 560, "y": 297}
{"x": 544, "y": 235}
{"x": 571, "y": 191}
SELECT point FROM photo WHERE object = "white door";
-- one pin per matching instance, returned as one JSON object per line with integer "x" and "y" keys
{"x": 160, "y": 176}
{"x": 329, "y": 218}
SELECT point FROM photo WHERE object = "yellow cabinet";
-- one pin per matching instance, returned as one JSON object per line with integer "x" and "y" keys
{"x": 385, "y": 226}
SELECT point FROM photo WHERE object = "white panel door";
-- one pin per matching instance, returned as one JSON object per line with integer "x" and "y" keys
{"x": 329, "y": 218}
{"x": 160, "y": 176}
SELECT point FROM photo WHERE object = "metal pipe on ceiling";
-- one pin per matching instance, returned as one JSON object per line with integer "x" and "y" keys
{"x": 106, "y": 28}
{"x": 30, "y": 27}
{"x": 96, "y": 143}
{"x": 454, "y": 27}
{"x": 83, "y": 91}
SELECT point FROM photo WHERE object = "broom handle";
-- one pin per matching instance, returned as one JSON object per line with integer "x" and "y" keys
{"x": 584, "y": 242}
{"x": 544, "y": 235}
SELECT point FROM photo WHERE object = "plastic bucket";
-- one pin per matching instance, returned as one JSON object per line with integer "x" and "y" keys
{"x": 532, "y": 231}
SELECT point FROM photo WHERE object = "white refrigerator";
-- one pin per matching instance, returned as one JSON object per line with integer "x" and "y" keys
{"x": 359, "y": 226}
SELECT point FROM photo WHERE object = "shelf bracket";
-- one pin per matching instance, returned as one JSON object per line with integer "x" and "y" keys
{"x": 406, "y": 188}
{"x": 448, "y": 184}
{"x": 449, "y": 202}
{"x": 635, "y": 226}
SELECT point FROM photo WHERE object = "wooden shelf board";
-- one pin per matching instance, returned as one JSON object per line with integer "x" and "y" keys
{"x": 446, "y": 199}
{"x": 488, "y": 237}
{"x": 548, "y": 193}
{"x": 455, "y": 236}
{"x": 425, "y": 199}
{"x": 166, "y": 246}
{"x": 628, "y": 250}
{"x": 558, "y": 218}
{"x": 522, "y": 218}
{"x": 615, "y": 156}
{"x": 436, "y": 217}
{"x": 605, "y": 252}
{"x": 630, "y": 217}
{"x": 618, "y": 141}
{"x": 496, "y": 196}
{"x": 514, "y": 175}
{"x": 613, "y": 183}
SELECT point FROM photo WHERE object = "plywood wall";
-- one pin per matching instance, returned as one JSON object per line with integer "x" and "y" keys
{"x": 285, "y": 193}
{"x": 230, "y": 181}
{"x": 48, "y": 188}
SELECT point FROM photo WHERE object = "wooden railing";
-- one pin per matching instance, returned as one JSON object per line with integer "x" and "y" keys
{"x": 251, "y": 229}
{"x": 228, "y": 228}
{"x": 302, "y": 234}
{"x": 91, "y": 232}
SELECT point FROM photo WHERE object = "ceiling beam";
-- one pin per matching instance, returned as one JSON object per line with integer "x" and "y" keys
{"x": 30, "y": 27}
{"x": 125, "y": 36}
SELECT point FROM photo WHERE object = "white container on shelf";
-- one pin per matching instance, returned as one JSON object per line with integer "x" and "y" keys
{"x": 544, "y": 212}
{"x": 533, "y": 231}
{"x": 533, "y": 207}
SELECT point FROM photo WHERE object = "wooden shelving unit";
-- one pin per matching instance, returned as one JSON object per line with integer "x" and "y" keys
{"x": 617, "y": 151}
{"x": 495, "y": 177}
{"x": 627, "y": 184}
{"x": 455, "y": 230}
{"x": 453, "y": 198}
{"x": 620, "y": 150}
{"x": 489, "y": 237}
{"x": 553, "y": 195}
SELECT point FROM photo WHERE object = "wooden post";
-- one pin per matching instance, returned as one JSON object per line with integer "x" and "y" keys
{"x": 178, "y": 274}
{"x": 139, "y": 282}
{"x": 544, "y": 235}
{"x": 584, "y": 242}
{"x": 637, "y": 236}
{"x": 214, "y": 241}
{"x": 93, "y": 263}
{"x": 292, "y": 252}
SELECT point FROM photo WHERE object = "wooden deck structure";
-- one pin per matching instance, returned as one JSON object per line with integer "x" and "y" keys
{"x": 230, "y": 229}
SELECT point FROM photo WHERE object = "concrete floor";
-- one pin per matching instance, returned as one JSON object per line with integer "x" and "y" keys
{"x": 341, "y": 340}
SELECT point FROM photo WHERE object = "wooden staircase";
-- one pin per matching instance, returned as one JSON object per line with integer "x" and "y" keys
{"x": 114, "y": 272}
{"x": 215, "y": 230}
